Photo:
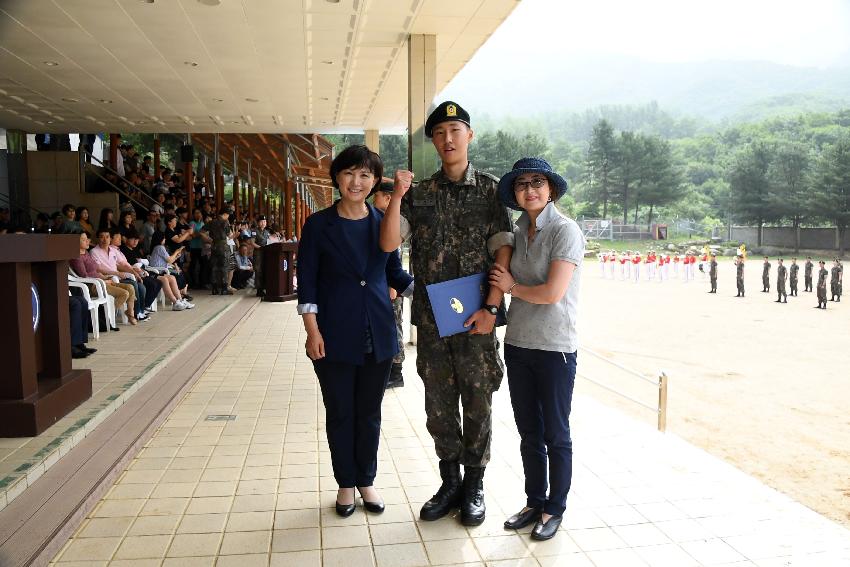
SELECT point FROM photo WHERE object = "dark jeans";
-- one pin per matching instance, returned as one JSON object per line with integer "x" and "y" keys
{"x": 541, "y": 384}
{"x": 353, "y": 396}
{"x": 139, "y": 306}
{"x": 78, "y": 308}
{"x": 152, "y": 289}
{"x": 196, "y": 268}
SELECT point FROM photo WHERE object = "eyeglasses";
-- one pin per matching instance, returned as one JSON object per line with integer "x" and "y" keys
{"x": 535, "y": 183}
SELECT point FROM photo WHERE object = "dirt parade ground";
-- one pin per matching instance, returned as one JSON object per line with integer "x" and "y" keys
{"x": 763, "y": 385}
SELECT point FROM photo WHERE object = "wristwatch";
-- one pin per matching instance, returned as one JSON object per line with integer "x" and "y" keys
{"x": 491, "y": 309}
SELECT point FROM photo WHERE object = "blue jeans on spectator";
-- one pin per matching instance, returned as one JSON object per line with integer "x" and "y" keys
{"x": 139, "y": 307}
{"x": 541, "y": 385}
{"x": 152, "y": 288}
{"x": 78, "y": 307}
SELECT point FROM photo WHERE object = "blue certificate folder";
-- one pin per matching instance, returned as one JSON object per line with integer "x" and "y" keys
{"x": 454, "y": 301}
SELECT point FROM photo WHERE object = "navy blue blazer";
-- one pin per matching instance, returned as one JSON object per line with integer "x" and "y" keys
{"x": 345, "y": 296}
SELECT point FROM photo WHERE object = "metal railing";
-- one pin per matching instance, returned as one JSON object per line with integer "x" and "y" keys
{"x": 141, "y": 192}
{"x": 660, "y": 409}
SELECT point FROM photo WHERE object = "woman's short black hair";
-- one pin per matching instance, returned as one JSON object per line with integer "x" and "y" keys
{"x": 357, "y": 156}
{"x": 157, "y": 238}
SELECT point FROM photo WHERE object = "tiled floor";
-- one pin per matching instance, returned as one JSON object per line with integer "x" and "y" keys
{"x": 258, "y": 490}
{"x": 121, "y": 364}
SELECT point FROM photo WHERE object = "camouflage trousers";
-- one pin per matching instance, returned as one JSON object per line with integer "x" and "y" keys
{"x": 793, "y": 284}
{"x": 821, "y": 293}
{"x": 808, "y": 282}
{"x": 218, "y": 268}
{"x": 834, "y": 289}
{"x": 465, "y": 368}
{"x": 740, "y": 283}
{"x": 398, "y": 307}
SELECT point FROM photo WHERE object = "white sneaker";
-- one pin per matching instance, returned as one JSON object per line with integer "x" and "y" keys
{"x": 178, "y": 306}
{"x": 188, "y": 305}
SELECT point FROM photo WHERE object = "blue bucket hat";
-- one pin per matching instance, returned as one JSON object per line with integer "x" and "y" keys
{"x": 529, "y": 165}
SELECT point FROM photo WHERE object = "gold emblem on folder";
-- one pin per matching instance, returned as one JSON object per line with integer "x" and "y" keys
{"x": 457, "y": 306}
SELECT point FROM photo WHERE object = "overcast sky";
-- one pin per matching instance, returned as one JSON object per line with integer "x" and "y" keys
{"x": 793, "y": 32}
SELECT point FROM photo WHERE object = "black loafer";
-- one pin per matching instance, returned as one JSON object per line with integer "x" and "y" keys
{"x": 522, "y": 519}
{"x": 542, "y": 532}
{"x": 345, "y": 510}
{"x": 374, "y": 507}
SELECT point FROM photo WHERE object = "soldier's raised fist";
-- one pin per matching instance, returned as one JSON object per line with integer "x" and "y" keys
{"x": 402, "y": 181}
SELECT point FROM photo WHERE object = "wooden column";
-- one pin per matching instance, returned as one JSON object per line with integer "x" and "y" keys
{"x": 250, "y": 202}
{"x": 287, "y": 208}
{"x": 219, "y": 186}
{"x": 298, "y": 216}
{"x": 157, "y": 149}
{"x": 187, "y": 178}
{"x": 113, "y": 151}
{"x": 236, "y": 191}
{"x": 208, "y": 177}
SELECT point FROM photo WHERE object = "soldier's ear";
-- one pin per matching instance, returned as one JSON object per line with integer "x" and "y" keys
{"x": 470, "y": 135}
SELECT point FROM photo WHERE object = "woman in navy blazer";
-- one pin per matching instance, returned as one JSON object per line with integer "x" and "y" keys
{"x": 343, "y": 277}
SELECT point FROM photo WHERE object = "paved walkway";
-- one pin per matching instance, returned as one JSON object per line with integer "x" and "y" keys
{"x": 123, "y": 363}
{"x": 258, "y": 490}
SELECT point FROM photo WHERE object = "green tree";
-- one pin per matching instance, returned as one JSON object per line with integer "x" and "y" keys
{"x": 789, "y": 188}
{"x": 599, "y": 166}
{"x": 660, "y": 180}
{"x": 750, "y": 185}
{"x": 831, "y": 185}
{"x": 628, "y": 169}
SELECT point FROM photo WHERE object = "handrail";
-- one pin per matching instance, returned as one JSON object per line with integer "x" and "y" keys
{"x": 662, "y": 382}
{"x": 8, "y": 201}
{"x": 118, "y": 189}
{"x": 106, "y": 167}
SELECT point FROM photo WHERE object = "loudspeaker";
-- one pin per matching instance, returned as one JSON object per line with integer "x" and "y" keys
{"x": 187, "y": 153}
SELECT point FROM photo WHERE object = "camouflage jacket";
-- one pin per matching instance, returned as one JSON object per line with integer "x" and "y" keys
{"x": 795, "y": 269}
{"x": 452, "y": 224}
{"x": 781, "y": 273}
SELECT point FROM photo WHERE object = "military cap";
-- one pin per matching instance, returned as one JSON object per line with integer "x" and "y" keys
{"x": 447, "y": 112}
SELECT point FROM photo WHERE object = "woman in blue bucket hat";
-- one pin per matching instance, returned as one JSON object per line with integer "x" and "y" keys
{"x": 540, "y": 339}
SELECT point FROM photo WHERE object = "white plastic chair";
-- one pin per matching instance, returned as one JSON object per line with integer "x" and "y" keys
{"x": 101, "y": 298}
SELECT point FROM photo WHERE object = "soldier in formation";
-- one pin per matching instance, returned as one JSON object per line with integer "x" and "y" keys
{"x": 822, "y": 275}
{"x": 781, "y": 276}
{"x": 835, "y": 276}
{"x": 739, "y": 275}
{"x": 765, "y": 276}
{"x": 809, "y": 268}
{"x": 793, "y": 274}
{"x": 712, "y": 273}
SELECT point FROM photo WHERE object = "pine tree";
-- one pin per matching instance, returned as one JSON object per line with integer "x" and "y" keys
{"x": 599, "y": 166}
{"x": 831, "y": 185}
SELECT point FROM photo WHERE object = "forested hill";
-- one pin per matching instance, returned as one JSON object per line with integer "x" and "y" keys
{"x": 715, "y": 91}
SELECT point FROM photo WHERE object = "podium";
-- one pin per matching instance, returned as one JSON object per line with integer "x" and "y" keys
{"x": 37, "y": 386}
{"x": 279, "y": 271}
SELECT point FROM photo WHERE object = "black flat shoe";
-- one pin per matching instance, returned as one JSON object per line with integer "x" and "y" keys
{"x": 522, "y": 519}
{"x": 542, "y": 532}
{"x": 345, "y": 510}
{"x": 89, "y": 350}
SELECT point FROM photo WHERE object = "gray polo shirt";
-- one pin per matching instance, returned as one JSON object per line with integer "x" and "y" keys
{"x": 545, "y": 327}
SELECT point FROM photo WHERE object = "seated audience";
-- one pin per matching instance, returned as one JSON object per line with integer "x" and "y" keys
{"x": 87, "y": 267}
{"x": 244, "y": 268}
{"x": 109, "y": 263}
{"x": 174, "y": 284}
{"x": 78, "y": 309}
{"x": 83, "y": 219}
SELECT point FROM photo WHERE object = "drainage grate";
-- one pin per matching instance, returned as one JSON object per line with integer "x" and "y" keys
{"x": 227, "y": 417}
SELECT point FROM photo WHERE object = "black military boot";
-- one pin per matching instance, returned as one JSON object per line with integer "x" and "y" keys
{"x": 396, "y": 377}
{"x": 472, "y": 510}
{"x": 448, "y": 496}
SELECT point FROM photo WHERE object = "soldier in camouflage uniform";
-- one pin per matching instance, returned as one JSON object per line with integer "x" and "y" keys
{"x": 381, "y": 200}
{"x": 808, "y": 274}
{"x": 739, "y": 275}
{"x": 457, "y": 228}
{"x": 765, "y": 276}
{"x": 218, "y": 231}
{"x": 261, "y": 238}
{"x": 712, "y": 273}
{"x": 835, "y": 281}
{"x": 781, "y": 275}
{"x": 822, "y": 275}
{"x": 793, "y": 275}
